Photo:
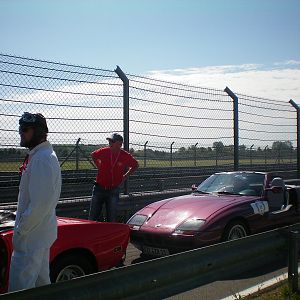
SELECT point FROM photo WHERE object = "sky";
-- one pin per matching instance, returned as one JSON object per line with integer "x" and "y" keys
{"x": 146, "y": 35}
{"x": 253, "y": 47}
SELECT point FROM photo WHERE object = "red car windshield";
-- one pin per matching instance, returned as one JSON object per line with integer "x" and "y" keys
{"x": 239, "y": 183}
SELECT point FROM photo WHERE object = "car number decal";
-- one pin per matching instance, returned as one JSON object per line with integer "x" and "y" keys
{"x": 260, "y": 207}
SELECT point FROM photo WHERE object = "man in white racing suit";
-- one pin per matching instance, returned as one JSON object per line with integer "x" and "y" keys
{"x": 36, "y": 224}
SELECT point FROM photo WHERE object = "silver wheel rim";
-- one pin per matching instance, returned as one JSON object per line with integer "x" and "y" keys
{"x": 69, "y": 272}
{"x": 237, "y": 232}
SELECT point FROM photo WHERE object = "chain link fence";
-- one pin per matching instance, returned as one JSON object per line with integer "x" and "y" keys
{"x": 268, "y": 133}
{"x": 179, "y": 133}
{"x": 178, "y": 125}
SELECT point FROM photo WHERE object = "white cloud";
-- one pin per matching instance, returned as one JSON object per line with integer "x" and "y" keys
{"x": 253, "y": 79}
{"x": 290, "y": 62}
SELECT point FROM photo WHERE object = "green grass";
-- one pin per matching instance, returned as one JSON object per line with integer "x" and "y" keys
{"x": 83, "y": 165}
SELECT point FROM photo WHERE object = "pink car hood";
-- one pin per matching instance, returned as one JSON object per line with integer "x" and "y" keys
{"x": 168, "y": 214}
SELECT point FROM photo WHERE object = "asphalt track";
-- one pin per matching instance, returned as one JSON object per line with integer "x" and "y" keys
{"x": 220, "y": 289}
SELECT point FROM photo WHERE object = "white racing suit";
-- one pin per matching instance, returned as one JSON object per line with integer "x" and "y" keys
{"x": 36, "y": 224}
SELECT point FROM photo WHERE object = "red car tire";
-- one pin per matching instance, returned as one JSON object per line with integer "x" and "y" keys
{"x": 70, "y": 266}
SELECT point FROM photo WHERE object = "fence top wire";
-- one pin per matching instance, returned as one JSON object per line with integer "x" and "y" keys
{"x": 263, "y": 100}
{"x": 180, "y": 137}
{"x": 61, "y": 92}
{"x": 46, "y": 62}
{"x": 267, "y": 124}
{"x": 267, "y": 131}
{"x": 61, "y": 79}
{"x": 69, "y": 119}
{"x": 178, "y": 116}
{"x": 57, "y": 104}
{"x": 266, "y": 140}
{"x": 181, "y": 125}
{"x": 164, "y": 83}
{"x": 179, "y": 105}
{"x": 290, "y": 108}
{"x": 266, "y": 116}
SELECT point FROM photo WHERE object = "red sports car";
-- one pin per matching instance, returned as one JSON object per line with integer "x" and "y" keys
{"x": 82, "y": 247}
{"x": 225, "y": 206}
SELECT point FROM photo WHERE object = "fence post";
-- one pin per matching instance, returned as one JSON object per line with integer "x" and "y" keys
{"x": 195, "y": 154}
{"x": 217, "y": 152}
{"x": 293, "y": 261}
{"x": 296, "y": 106}
{"x": 251, "y": 148}
{"x": 145, "y": 154}
{"x": 235, "y": 126}
{"x": 125, "y": 80}
{"x": 266, "y": 157}
{"x": 77, "y": 154}
{"x": 171, "y": 153}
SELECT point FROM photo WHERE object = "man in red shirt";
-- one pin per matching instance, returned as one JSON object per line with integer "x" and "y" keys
{"x": 112, "y": 162}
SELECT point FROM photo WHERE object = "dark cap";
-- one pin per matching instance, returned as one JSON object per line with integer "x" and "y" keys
{"x": 35, "y": 120}
{"x": 115, "y": 137}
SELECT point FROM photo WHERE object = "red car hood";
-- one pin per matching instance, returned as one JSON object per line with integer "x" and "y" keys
{"x": 172, "y": 212}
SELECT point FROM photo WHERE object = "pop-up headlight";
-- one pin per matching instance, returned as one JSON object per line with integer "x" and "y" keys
{"x": 189, "y": 226}
{"x": 136, "y": 221}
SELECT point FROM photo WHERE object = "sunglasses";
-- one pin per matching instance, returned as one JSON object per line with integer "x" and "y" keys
{"x": 24, "y": 129}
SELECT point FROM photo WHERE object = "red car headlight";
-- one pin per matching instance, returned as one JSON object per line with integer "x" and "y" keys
{"x": 189, "y": 226}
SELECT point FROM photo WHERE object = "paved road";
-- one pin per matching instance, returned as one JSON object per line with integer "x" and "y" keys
{"x": 219, "y": 289}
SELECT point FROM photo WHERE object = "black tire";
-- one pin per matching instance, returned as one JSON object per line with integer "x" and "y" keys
{"x": 235, "y": 230}
{"x": 70, "y": 266}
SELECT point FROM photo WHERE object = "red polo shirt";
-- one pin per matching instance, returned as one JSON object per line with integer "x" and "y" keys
{"x": 111, "y": 166}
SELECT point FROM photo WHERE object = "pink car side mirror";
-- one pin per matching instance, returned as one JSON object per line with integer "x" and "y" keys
{"x": 194, "y": 187}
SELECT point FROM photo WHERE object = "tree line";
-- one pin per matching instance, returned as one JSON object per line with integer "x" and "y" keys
{"x": 279, "y": 148}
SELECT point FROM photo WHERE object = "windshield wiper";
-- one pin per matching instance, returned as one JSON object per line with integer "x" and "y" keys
{"x": 228, "y": 193}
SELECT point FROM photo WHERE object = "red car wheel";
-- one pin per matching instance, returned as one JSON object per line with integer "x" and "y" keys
{"x": 69, "y": 267}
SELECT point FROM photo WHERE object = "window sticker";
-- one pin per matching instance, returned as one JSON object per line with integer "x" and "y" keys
{"x": 260, "y": 207}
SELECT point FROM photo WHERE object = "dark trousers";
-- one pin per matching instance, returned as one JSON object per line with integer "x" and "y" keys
{"x": 108, "y": 197}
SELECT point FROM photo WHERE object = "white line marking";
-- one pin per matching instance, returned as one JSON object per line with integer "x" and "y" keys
{"x": 258, "y": 287}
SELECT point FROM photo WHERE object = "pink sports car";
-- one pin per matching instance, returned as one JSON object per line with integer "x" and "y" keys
{"x": 225, "y": 206}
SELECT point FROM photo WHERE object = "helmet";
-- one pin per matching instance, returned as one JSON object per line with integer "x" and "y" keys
{"x": 33, "y": 120}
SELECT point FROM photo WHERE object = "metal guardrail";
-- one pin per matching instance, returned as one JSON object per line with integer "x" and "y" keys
{"x": 151, "y": 179}
{"x": 164, "y": 277}
{"x": 78, "y": 207}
